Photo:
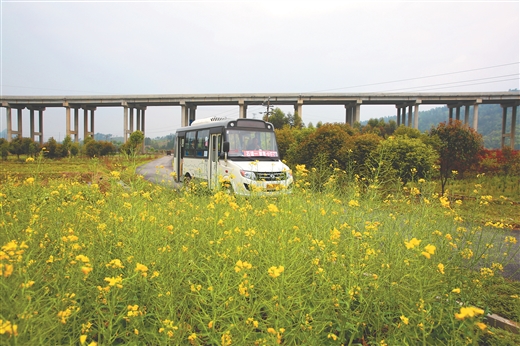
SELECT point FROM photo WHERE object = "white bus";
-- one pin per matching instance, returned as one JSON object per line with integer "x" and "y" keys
{"x": 241, "y": 151}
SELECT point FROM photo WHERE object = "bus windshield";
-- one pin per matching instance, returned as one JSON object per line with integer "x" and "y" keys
{"x": 247, "y": 143}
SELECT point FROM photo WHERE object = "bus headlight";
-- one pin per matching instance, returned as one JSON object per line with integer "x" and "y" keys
{"x": 248, "y": 175}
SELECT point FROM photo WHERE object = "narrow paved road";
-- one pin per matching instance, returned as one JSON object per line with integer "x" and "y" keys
{"x": 159, "y": 171}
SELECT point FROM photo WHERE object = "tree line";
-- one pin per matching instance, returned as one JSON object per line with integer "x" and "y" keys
{"x": 67, "y": 148}
{"x": 382, "y": 151}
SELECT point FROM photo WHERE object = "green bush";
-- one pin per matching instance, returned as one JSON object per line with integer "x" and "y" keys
{"x": 409, "y": 158}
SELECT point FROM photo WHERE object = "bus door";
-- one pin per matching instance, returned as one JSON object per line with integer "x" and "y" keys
{"x": 179, "y": 155}
{"x": 213, "y": 160}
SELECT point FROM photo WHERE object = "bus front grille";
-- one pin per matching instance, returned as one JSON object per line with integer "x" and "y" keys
{"x": 271, "y": 176}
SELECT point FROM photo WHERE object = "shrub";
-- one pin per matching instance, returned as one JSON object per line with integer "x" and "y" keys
{"x": 409, "y": 158}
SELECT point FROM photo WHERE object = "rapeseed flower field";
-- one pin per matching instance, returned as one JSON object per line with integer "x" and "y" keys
{"x": 141, "y": 263}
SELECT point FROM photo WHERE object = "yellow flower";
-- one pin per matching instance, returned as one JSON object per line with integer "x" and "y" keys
{"x": 86, "y": 270}
{"x": 242, "y": 265}
{"x": 7, "y": 327}
{"x": 275, "y": 271}
{"x": 115, "y": 263}
{"x": 27, "y": 284}
{"x": 412, "y": 243}
{"x": 226, "y": 338}
{"x": 481, "y": 325}
{"x": 82, "y": 339}
{"x": 404, "y": 319}
{"x": 428, "y": 251}
{"x": 468, "y": 312}
{"x": 115, "y": 174}
{"x": 6, "y": 270}
{"x": 115, "y": 281}
{"x": 141, "y": 268}
{"x": 332, "y": 336}
{"x": 353, "y": 203}
{"x": 272, "y": 208}
{"x": 455, "y": 290}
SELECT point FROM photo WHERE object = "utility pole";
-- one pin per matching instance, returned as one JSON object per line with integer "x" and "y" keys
{"x": 268, "y": 110}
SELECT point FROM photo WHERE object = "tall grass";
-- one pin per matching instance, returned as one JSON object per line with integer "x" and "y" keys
{"x": 140, "y": 263}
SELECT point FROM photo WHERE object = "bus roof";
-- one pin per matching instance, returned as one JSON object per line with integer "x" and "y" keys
{"x": 227, "y": 123}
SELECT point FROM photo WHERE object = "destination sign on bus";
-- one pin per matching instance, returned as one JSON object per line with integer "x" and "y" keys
{"x": 253, "y": 153}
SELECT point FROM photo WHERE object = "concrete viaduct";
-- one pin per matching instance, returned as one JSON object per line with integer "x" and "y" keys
{"x": 134, "y": 107}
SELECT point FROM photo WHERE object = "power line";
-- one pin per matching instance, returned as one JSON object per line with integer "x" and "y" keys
{"x": 464, "y": 81}
{"x": 415, "y": 78}
{"x": 456, "y": 86}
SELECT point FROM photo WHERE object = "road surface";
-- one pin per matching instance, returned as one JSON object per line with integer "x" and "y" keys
{"x": 159, "y": 171}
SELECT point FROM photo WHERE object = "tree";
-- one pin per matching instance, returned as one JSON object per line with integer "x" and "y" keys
{"x": 284, "y": 138}
{"x": 278, "y": 118}
{"x": 134, "y": 141}
{"x": 16, "y": 147}
{"x": 458, "y": 147}
{"x": 52, "y": 149}
{"x": 4, "y": 148}
{"x": 93, "y": 148}
{"x": 66, "y": 146}
{"x": 29, "y": 146}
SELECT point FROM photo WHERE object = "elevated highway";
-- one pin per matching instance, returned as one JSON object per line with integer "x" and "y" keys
{"x": 134, "y": 107}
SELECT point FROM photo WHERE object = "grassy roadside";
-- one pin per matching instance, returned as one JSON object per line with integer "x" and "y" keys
{"x": 325, "y": 268}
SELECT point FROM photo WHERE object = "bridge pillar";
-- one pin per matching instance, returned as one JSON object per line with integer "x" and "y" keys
{"x": 353, "y": 111}
{"x": 416, "y": 115}
{"x": 184, "y": 115}
{"x": 242, "y": 109}
{"x": 398, "y": 118}
{"x": 126, "y": 131}
{"x": 357, "y": 115}
{"x": 9, "y": 122}
{"x": 191, "y": 113}
{"x": 33, "y": 132}
{"x": 457, "y": 116}
{"x": 513, "y": 127}
{"x": 348, "y": 116}
{"x": 10, "y": 131}
{"x": 88, "y": 122}
{"x": 298, "y": 108}
{"x": 138, "y": 119}
{"x": 475, "y": 114}
{"x": 512, "y": 131}
{"x": 466, "y": 115}
{"x": 410, "y": 115}
{"x": 75, "y": 132}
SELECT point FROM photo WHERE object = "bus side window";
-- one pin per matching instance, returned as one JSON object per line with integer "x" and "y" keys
{"x": 189, "y": 148}
{"x": 202, "y": 143}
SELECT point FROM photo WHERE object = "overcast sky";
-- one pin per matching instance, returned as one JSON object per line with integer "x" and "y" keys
{"x": 191, "y": 47}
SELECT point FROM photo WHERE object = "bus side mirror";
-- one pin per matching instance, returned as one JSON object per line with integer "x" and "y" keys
{"x": 226, "y": 147}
